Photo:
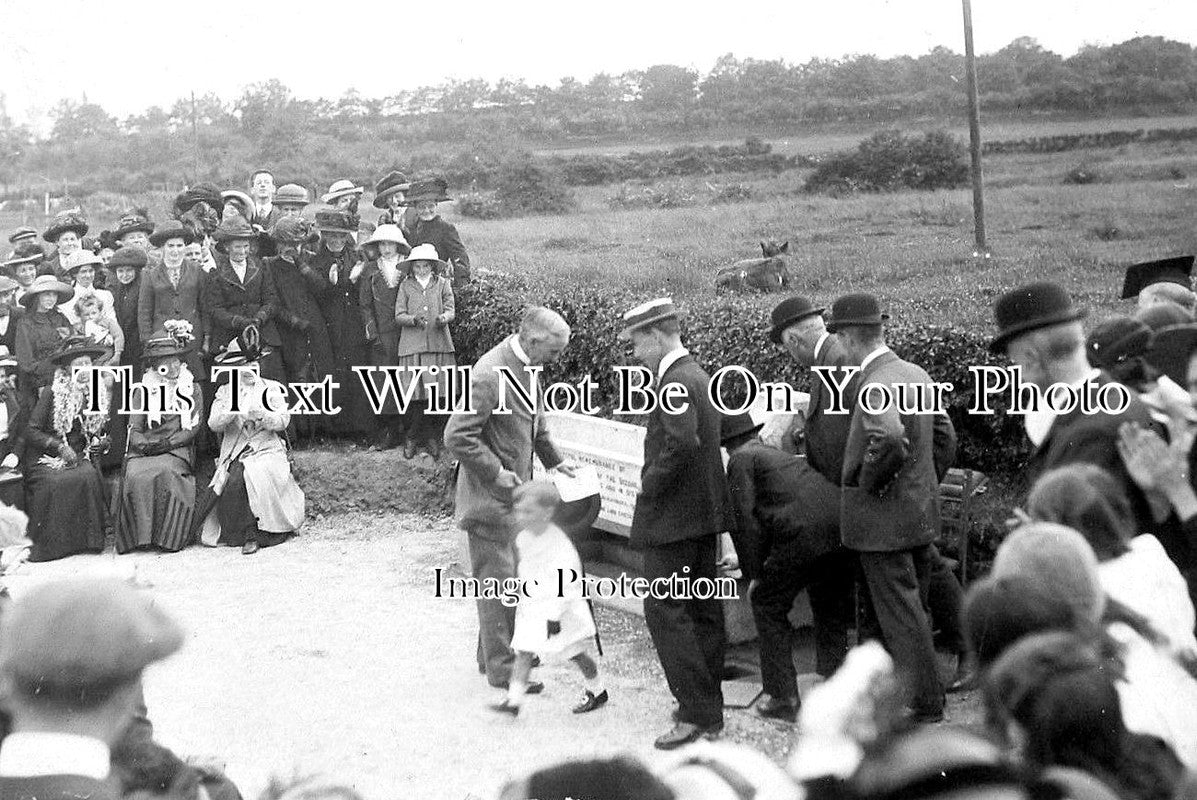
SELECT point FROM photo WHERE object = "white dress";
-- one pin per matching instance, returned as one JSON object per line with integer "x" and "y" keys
{"x": 1147, "y": 581}
{"x": 542, "y": 559}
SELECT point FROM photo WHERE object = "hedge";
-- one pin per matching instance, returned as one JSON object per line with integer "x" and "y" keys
{"x": 734, "y": 330}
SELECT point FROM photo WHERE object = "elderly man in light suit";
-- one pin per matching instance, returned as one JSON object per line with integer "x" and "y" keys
{"x": 495, "y": 453}
{"x": 890, "y": 503}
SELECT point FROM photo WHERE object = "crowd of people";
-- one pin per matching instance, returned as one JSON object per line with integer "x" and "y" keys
{"x": 231, "y": 279}
{"x": 1081, "y": 637}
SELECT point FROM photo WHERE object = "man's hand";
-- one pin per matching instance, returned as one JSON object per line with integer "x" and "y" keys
{"x": 1153, "y": 464}
{"x": 568, "y": 469}
{"x": 507, "y": 479}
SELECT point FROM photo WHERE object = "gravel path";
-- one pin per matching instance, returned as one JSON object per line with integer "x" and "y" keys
{"x": 330, "y": 654}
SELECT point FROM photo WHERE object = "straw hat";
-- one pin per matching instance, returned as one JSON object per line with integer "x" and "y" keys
{"x": 339, "y": 189}
{"x": 47, "y": 283}
{"x": 423, "y": 252}
{"x": 391, "y": 233}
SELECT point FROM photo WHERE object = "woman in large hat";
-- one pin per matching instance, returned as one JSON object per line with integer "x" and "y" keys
{"x": 173, "y": 289}
{"x": 378, "y": 291}
{"x": 22, "y": 265}
{"x": 66, "y": 233}
{"x": 64, "y": 495}
{"x": 157, "y": 491}
{"x": 424, "y": 307}
{"x": 305, "y": 350}
{"x": 241, "y": 292}
{"x": 127, "y": 265}
{"x": 389, "y": 196}
{"x": 253, "y": 501}
{"x": 133, "y": 229}
{"x": 81, "y": 270}
{"x": 430, "y": 228}
{"x": 40, "y": 331}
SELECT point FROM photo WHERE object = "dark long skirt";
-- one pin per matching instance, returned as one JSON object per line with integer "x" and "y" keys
{"x": 66, "y": 511}
{"x": 157, "y": 504}
{"x": 237, "y": 521}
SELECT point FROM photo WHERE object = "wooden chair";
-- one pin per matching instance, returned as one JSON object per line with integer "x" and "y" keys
{"x": 959, "y": 489}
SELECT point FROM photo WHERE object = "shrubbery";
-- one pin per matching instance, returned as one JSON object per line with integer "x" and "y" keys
{"x": 733, "y": 330}
{"x": 752, "y": 156}
{"x": 669, "y": 195}
{"x": 889, "y": 160}
{"x": 525, "y": 187}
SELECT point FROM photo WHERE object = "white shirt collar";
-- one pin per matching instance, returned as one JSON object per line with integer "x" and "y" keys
{"x": 519, "y": 351}
{"x": 240, "y": 269}
{"x": 668, "y": 360}
{"x": 1038, "y": 423}
{"x": 873, "y": 356}
{"x": 30, "y": 754}
{"x": 819, "y": 344}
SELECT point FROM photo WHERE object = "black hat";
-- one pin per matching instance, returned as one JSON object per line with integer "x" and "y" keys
{"x": 434, "y": 188}
{"x": 1029, "y": 308}
{"x": 789, "y": 311}
{"x": 172, "y": 230}
{"x": 137, "y": 219}
{"x": 200, "y": 193}
{"x": 128, "y": 257}
{"x": 164, "y": 344}
{"x": 733, "y": 426}
{"x": 75, "y": 346}
{"x": 66, "y": 221}
{"x": 1116, "y": 340}
{"x": 1171, "y": 349}
{"x": 293, "y": 230}
{"x": 335, "y": 222}
{"x": 394, "y": 181}
{"x": 855, "y": 309}
{"x": 1168, "y": 270}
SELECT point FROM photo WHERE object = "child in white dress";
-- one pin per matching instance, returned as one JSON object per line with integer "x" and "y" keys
{"x": 553, "y": 621}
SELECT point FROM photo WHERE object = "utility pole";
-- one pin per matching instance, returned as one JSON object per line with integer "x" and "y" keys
{"x": 195, "y": 159}
{"x": 974, "y": 132}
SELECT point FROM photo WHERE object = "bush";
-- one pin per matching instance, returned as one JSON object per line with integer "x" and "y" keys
{"x": 733, "y": 330}
{"x": 525, "y": 187}
{"x": 478, "y": 206}
{"x": 888, "y": 161}
{"x": 1081, "y": 174}
{"x": 731, "y": 193}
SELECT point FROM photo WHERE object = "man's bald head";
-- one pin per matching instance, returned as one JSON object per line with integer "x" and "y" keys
{"x": 543, "y": 335}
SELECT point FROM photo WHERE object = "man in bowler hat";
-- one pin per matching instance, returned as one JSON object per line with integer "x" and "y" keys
{"x": 682, "y": 508}
{"x": 72, "y": 654}
{"x": 890, "y": 501}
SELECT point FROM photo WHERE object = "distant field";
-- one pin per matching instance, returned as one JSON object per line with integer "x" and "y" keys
{"x": 830, "y": 138}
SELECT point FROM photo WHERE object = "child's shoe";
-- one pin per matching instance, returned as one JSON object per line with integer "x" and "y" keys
{"x": 591, "y": 701}
{"x": 506, "y": 707}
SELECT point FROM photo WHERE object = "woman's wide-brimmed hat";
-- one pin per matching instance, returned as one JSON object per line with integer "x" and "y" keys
{"x": 172, "y": 230}
{"x": 239, "y": 353}
{"x": 339, "y": 189}
{"x": 128, "y": 257}
{"x": 81, "y": 258}
{"x": 47, "y": 283}
{"x": 330, "y": 221}
{"x": 392, "y": 183}
{"x": 137, "y": 219}
{"x": 164, "y": 345}
{"x": 234, "y": 226}
{"x": 26, "y": 253}
{"x": 789, "y": 312}
{"x": 240, "y": 198}
{"x": 391, "y": 233}
{"x": 855, "y": 309}
{"x": 67, "y": 221}
{"x": 435, "y": 189}
{"x": 1030, "y": 308}
{"x": 292, "y": 194}
{"x": 74, "y": 346}
{"x": 423, "y": 252}
{"x": 647, "y": 314}
{"x": 200, "y": 193}
{"x": 293, "y": 230}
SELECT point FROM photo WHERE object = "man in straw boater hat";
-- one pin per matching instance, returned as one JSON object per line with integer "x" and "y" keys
{"x": 430, "y": 228}
{"x": 72, "y": 655}
{"x": 240, "y": 293}
{"x": 25, "y": 233}
{"x": 1167, "y": 280}
{"x": 890, "y": 496}
{"x": 1039, "y": 329}
{"x": 682, "y": 508}
{"x": 495, "y": 453}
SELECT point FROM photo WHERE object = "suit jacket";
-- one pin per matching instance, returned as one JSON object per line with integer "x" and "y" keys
{"x": 890, "y": 483}
{"x": 1078, "y": 438}
{"x": 826, "y": 434}
{"x": 232, "y": 304}
{"x": 56, "y": 787}
{"x": 485, "y": 442}
{"x": 444, "y": 237}
{"x": 158, "y": 301}
{"x": 782, "y": 507}
{"x": 683, "y": 488}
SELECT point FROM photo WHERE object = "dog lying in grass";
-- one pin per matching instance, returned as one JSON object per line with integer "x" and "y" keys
{"x": 767, "y": 274}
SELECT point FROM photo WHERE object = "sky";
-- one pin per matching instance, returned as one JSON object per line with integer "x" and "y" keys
{"x": 132, "y": 54}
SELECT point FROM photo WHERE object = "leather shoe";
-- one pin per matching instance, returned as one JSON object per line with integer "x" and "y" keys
{"x": 782, "y": 708}
{"x": 534, "y": 687}
{"x": 249, "y": 548}
{"x": 591, "y": 701}
{"x": 506, "y": 708}
{"x": 685, "y": 733}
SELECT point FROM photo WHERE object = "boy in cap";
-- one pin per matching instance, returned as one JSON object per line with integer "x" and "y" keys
{"x": 72, "y": 654}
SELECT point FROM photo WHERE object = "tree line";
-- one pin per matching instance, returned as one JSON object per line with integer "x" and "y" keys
{"x": 451, "y": 125}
